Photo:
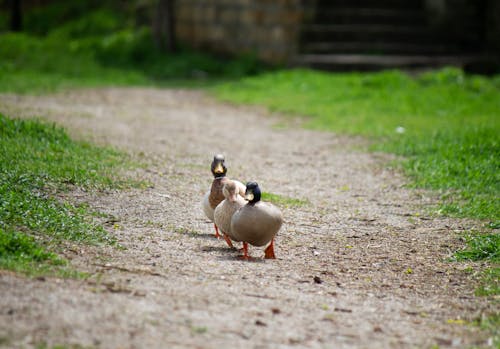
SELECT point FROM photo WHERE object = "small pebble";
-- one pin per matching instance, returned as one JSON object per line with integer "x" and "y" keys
{"x": 260, "y": 323}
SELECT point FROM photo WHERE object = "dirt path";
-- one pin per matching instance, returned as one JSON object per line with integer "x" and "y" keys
{"x": 382, "y": 280}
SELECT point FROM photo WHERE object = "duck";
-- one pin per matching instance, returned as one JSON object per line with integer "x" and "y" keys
{"x": 256, "y": 222}
{"x": 225, "y": 210}
{"x": 214, "y": 195}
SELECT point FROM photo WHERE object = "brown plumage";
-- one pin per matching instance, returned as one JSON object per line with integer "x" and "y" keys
{"x": 214, "y": 195}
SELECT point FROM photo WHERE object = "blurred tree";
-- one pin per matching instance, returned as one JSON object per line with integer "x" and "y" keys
{"x": 164, "y": 26}
{"x": 16, "y": 18}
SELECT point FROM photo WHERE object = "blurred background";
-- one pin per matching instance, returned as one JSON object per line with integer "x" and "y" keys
{"x": 332, "y": 35}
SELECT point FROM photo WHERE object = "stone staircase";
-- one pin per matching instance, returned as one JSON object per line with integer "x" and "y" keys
{"x": 377, "y": 34}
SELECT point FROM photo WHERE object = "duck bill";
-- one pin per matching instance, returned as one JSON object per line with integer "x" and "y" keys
{"x": 219, "y": 169}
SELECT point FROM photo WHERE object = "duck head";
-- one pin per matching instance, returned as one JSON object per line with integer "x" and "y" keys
{"x": 218, "y": 167}
{"x": 252, "y": 193}
{"x": 230, "y": 191}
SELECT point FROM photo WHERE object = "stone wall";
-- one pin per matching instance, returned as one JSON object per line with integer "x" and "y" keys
{"x": 270, "y": 29}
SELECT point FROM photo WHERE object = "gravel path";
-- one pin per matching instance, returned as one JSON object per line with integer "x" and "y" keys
{"x": 361, "y": 265}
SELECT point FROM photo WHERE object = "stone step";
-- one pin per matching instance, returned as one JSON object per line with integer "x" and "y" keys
{"x": 363, "y": 32}
{"x": 403, "y": 4}
{"x": 357, "y": 62}
{"x": 350, "y": 15}
{"x": 377, "y": 47}
{"x": 380, "y": 32}
{"x": 373, "y": 34}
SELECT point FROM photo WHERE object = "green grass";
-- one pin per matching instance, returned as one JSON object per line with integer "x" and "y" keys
{"x": 489, "y": 283}
{"x": 483, "y": 247}
{"x": 445, "y": 123}
{"x": 38, "y": 160}
{"x": 21, "y": 252}
{"x": 283, "y": 201}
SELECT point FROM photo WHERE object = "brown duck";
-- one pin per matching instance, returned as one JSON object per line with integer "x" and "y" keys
{"x": 214, "y": 195}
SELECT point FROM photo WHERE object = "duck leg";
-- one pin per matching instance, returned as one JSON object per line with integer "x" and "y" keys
{"x": 228, "y": 240}
{"x": 245, "y": 251}
{"x": 269, "y": 251}
{"x": 217, "y": 235}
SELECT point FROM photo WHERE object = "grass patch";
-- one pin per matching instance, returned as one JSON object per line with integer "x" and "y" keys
{"x": 481, "y": 246}
{"x": 36, "y": 160}
{"x": 484, "y": 246}
{"x": 283, "y": 201}
{"x": 21, "y": 252}
{"x": 445, "y": 123}
{"x": 490, "y": 283}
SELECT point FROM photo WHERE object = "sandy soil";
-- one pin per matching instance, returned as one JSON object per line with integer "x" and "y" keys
{"x": 361, "y": 266}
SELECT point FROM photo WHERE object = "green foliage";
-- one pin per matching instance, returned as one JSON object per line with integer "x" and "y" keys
{"x": 99, "y": 47}
{"x": 40, "y": 20}
{"x": 37, "y": 159}
{"x": 96, "y": 23}
{"x": 445, "y": 123}
{"x": 135, "y": 49}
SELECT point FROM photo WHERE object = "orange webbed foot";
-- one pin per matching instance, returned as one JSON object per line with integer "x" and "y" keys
{"x": 269, "y": 251}
{"x": 245, "y": 252}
